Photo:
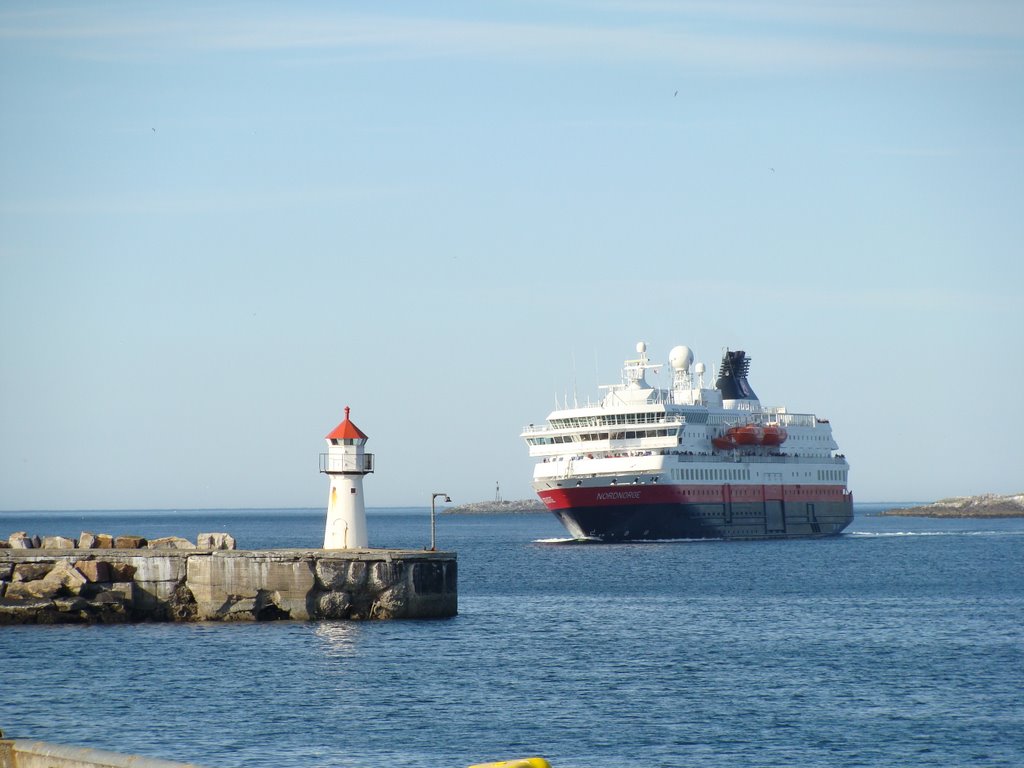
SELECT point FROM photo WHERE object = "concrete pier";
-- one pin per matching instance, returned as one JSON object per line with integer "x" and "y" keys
{"x": 23, "y": 753}
{"x": 46, "y": 586}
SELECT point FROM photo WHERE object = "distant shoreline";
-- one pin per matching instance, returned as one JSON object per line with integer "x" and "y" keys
{"x": 985, "y": 505}
{"x": 520, "y": 507}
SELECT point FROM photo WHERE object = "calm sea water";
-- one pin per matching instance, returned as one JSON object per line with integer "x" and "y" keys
{"x": 897, "y": 643}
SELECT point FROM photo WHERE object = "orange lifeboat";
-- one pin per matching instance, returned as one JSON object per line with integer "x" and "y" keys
{"x": 749, "y": 434}
{"x": 774, "y": 435}
{"x": 724, "y": 442}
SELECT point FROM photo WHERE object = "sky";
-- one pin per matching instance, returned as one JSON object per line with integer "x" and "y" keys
{"x": 223, "y": 222}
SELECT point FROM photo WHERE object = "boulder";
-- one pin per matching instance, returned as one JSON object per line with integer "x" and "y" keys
{"x": 215, "y": 541}
{"x": 103, "y": 541}
{"x": 121, "y": 571}
{"x": 129, "y": 542}
{"x": 171, "y": 542}
{"x": 109, "y": 596}
{"x": 333, "y": 605}
{"x": 121, "y": 590}
{"x": 28, "y": 611}
{"x": 73, "y": 604}
{"x": 5, "y": 544}
{"x": 31, "y": 571}
{"x": 19, "y": 540}
{"x": 67, "y": 576}
{"x": 86, "y": 540}
{"x": 40, "y": 589}
{"x": 94, "y": 570}
{"x": 58, "y": 542}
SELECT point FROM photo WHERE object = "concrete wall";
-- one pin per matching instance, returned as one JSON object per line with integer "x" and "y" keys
{"x": 21, "y": 753}
{"x": 40, "y": 586}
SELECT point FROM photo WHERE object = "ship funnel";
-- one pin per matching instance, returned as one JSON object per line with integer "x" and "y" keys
{"x": 732, "y": 377}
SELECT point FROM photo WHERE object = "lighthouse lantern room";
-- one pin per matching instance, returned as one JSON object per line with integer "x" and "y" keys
{"x": 345, "y": 463}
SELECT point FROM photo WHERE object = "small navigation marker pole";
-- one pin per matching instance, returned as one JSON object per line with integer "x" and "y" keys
{"x": 345, "y": 463}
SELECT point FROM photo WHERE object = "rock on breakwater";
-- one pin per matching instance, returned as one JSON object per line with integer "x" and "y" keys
{"x": 91, "y": 586}
{"x": 88, "y": 540}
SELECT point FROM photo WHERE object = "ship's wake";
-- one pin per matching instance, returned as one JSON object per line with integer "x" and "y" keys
{"x": 569, "y": 540}
{"x": 892, "y": 534}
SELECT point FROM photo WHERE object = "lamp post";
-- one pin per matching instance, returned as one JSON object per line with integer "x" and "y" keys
{"x": 433, "y": 498}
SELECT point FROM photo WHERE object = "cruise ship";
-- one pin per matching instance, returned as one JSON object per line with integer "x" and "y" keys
{"x": 689, "y": 462}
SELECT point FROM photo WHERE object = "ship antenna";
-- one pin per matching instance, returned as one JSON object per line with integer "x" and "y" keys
{"x": 575, "y": 390}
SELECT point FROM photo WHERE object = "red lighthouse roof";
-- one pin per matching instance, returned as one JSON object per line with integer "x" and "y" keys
{"x": 346, "y": 430}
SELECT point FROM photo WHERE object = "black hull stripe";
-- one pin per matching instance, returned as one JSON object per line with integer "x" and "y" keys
{"x": 762, "y": 520}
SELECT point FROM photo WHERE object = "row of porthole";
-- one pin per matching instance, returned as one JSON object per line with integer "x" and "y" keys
{"x": 711, "y": 474}
{"x": 836, "y": 475}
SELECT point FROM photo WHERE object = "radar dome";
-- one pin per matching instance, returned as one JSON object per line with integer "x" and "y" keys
{"x": 641, "y": 347}
{"x": 680, "y": 358}
{"x": 699, "y": 368}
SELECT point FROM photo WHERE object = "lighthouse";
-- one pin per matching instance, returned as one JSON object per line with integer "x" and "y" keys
{"x": 345, "y": 463}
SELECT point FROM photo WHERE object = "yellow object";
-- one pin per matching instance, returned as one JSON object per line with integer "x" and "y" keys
{"x": 523, "y": 762}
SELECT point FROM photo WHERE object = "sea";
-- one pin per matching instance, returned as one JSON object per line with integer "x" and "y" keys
{"x": 898, "y": 643}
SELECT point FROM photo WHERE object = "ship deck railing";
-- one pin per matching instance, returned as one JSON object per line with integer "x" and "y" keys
{"x": 685, "y": 456}
{"x": 605, "y": 422}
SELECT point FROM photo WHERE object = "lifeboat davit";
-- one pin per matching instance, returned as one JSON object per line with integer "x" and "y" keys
{"x": 774, "y": 436}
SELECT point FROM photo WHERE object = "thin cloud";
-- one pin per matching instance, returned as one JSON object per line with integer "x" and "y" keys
{"x": 213, "y": 201}
{"x": 951, "y": 18}
{"x": 726, "y": 38}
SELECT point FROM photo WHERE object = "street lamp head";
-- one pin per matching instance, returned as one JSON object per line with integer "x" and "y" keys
{"x": 434, "y": 497}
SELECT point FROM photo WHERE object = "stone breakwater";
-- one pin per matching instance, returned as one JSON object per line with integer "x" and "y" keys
{"x": 56, "y": 585}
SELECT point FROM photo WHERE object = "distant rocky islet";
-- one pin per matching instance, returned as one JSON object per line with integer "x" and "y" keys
{"x": 984, "y": 505}
{"x": 520, "y": 507}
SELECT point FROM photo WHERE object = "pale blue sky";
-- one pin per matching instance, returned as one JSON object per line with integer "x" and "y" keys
{"x": 221, "y": 223}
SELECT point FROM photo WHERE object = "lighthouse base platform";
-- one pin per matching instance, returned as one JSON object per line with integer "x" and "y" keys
{"x": 40, "y": 586}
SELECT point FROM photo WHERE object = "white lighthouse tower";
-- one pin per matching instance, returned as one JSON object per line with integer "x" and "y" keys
{"x": 345, "y": 463}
